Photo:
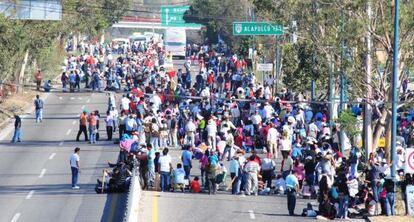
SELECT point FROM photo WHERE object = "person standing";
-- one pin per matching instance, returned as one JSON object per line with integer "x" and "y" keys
{"x": 92, "y": 127}
{"x": 75, "y": 166}
{"x": 109, "y": 125}
{"x": 83, "y": 119}
{"x": 151, "y": 166}
{"x": 38, "y": 78}
{"x": 17, "y": 129}
{"x": 165, "y": 169}
{"x": 186, "y": 157}
{"x": 252, "y": 169}
{"x": 292, "y": 185}
{"x": 272, "y": 141}
{"x": 39, "y": 109}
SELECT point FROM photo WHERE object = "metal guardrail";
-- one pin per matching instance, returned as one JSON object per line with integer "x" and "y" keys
{"x": 134, "y": 195}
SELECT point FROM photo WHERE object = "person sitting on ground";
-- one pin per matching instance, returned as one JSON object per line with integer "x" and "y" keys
{"x": 47, "y": 86}
{"x": 179, "y": 175}
{"x": 195, "y": 186}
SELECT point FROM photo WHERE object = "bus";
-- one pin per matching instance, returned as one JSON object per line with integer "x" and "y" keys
{"x": 175, "y": 40}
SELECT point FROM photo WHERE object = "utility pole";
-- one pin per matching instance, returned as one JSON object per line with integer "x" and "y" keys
{"x": 368, "y": 88}
{"x": 343, "y": 83}
{"x": 394, "y": 90}
{"x": 313, "y": 96}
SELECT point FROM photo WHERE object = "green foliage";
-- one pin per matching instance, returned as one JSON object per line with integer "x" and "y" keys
{"x": 349, "y": 122}
{"x": 218, "y": 16}
{"x": 88, "y": 17}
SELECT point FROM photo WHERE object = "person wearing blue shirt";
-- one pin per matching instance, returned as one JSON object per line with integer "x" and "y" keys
{"x": 179, "y": 177}
{"x": 297, "y": 149}
{"x": 186, "y": 157}
{"x": 292, "y": 185}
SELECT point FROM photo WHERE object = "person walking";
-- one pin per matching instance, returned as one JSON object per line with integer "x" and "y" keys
{"x": 17, "y": 129}
{"x": 38, "y": 108}
{"x": 292, "y": 185}
{"x": 83, "y": 119}
{"x": 75, "y": 166}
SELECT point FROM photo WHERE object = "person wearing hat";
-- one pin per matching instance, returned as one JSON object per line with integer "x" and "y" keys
{"x": 83, "y": 120}
{"x": 292, "y": 185}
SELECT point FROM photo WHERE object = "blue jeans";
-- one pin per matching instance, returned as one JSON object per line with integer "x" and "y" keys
{"x": 187, "y": 170}
{"x": 375, "y": 191}
{"x": 343, "y": 206}
{"x": 165, "y": 180}
{"x": 354, "y": 168}
{"x": 291, "y": 201}
{"x": 75, "y": 173}
{"x": 17, "y": 135}
{"x": 92, "y": 134}
{"x": 390, "y": 204}
{"x": 235, "y": 189}
{"x": 39, "y": 115}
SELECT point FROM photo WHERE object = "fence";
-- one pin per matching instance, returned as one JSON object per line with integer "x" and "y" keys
{"x": 134, "y": 195}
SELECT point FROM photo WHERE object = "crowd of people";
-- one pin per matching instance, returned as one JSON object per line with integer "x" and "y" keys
{"x": 266, "y": 142}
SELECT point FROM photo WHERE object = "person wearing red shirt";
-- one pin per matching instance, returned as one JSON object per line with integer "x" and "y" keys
{"x": 195, "y": 186}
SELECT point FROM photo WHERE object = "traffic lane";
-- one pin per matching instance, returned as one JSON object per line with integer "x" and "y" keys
{"x": 59, "y": 200}
{"x": 52, "y": 188}
{"x": 21, "y": 164}
{"x": 185, "y": 207}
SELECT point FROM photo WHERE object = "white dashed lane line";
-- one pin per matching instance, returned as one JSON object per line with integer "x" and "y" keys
{"x": 15, "y": 217}
{"x": 251, "y": 214}
{"x": 52, "y": 156}
{"x": 42, "y": 173}
{"x": 68, "y": 132}
{"x": 30, "y": 195}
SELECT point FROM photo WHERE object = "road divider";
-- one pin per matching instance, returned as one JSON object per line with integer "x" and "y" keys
{"x": 134, "y": 196}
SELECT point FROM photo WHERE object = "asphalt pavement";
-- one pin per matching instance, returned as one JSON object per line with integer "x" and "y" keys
{"x": 35, "y": 176}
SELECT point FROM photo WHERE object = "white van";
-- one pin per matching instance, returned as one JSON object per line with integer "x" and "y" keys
{"x": 175, "y": 40}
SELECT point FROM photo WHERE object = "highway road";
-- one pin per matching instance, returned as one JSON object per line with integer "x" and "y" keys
{"x": 35, "y": 174}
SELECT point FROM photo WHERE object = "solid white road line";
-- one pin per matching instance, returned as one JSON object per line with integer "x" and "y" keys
{"x": 30, "y": 195}
{"x": 74, "y": 122}
{"x": 72, "y": 98}
{"x": 68, "y": 132}
{"x": 60, "y": 98}
{"x": 61, "y": 143}
{"x": 52, "y": 155}
{"x": 42, "y": 173}
{"x": 15, "y": 217}
{"x": 251, "y": 214}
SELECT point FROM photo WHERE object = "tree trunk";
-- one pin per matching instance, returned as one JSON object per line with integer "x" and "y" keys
{"x": 20, "y": 80}
{"x": 379, "y": 127}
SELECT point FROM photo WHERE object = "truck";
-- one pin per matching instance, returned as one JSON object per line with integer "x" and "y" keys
{"x": 175, "y": 40}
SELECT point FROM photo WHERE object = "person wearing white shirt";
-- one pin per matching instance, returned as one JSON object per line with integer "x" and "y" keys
{"x": 235, "y": 114}
{"x": 190, "y": 129}
{"x": 256, "y": 120}
{"x": 75, "y": 166}
{"x": 272, "y": 141}
{"x": 125, "y": 103}
{"x": 165, "y": 166}
{"x": 269, "y": 110}
{"x": 211, "y": 133}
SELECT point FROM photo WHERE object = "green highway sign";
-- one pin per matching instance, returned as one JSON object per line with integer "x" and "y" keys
{"x": 257, "y": 28}
{"x": 172, "y": 16}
